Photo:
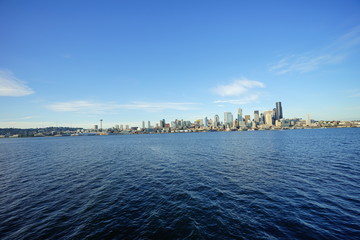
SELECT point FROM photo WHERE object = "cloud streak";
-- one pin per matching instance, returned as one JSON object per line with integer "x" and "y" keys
{"x": 242, "y": 101}
{"x": 237, "y": 87}
{"x": 100, "y": 107}
{"x": 332, "y": 54}
{"x": 243, "y": 89}
{"x": 11, "y": 86}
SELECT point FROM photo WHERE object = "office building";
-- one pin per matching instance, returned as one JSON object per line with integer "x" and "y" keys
{"x": 162, "y": 123}
{"x": 268, "y": 116}
{"x": 256, "y": 116}
{"x": 216, "y": 121}
{"x": 240, "y": 118}
{"x": 206, "y": 122}
{"x": 308, "y": 121}
{"x": 247, "y": 120}
{"x": 279, "y": 113}
{"x": 228, "y": 119}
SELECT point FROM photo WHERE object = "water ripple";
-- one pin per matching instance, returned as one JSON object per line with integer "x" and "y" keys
{"x": 301, "y": 184}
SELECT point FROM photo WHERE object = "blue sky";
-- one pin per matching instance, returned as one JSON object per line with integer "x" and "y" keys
{"x": 71, "y": 63}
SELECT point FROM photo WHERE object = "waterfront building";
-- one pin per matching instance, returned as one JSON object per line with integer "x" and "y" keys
{"x": 127, "y": 127}
{"x": 143, "y": 124}
{"x": 268, "y": 116}
{"x": 216, "y": 121}
{"x": 279, "y": 112}
{"x": 162, "y": 123}
{"x": 206, "y": 122}
{"x": 149, "y": 124}
{"x": 240, "y": 118}
{"x": 308, "y": 121}
{"x": 228, "y": 119}
{"x": 96, "y": 128}
{"x": 173, "y": 124}
{"x": 256, "y": 116}
{"x": 247, "y": 120}
{"x": 121, "y": 127}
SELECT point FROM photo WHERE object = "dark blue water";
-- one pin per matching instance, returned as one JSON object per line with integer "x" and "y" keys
{"x": 298, "y": 184}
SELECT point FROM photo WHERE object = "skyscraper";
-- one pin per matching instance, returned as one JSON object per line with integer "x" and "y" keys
{"x": 162, "y": 123}
{"x": 256, "y": 116}
{"x": 279, "y": 113}
{"x": 228, "y": 119}
{"x": 239, "y": 117}
{"x": 247, "y": 120}
{"x": 206, "y": 122}
{"x": 308, "y": 120}
{"x": 268, "y": 115}
{"x": 216, "y": 121}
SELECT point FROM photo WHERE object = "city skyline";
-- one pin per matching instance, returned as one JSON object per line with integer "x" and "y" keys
{"x": 127, "y": 62}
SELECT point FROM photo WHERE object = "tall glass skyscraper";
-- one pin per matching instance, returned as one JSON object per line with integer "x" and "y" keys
{"x": 228, "y": 119}
{"x": 240, "y": 118}
{"x": 256, "y": 116}
{"x": 279, "y": 112}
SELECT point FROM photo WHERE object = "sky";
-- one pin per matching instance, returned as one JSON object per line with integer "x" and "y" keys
{"x": 72, "y": 63}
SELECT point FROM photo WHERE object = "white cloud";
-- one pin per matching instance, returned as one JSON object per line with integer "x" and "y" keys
{"x": 237, "y": 87}
{"x": 99, "y": 107}
{"x": 241, "y": 101}
{"x": 331, "y": 54}
{"x": 11, "y": 86}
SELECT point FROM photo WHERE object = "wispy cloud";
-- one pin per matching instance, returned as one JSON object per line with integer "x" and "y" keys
{"x": 331, "y": 54}
{"x": 237, "y": 87}
{"x": 101, "y": 107}
{"x": 11, "y": 86}
{"x": 244, "y": 89}
{"x": 304, "y": 64}
{"x": 242, "y": 101}
{"x": 353, "y": 93}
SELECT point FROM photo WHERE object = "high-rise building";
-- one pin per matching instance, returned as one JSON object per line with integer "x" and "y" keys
{"x": 256, "y": 116}
{"x": 239, "y": 117}
{"x": 162, "y": 123}
{"x": 206, "y": 122}
{"x": 279, "y": 112}
{"x": 143, "y": 124}
{"x": 216, "y": 121}
{"x": 228, "y": 119}
{"x": 96, "y": 128}
{"x": 268, "y": 115}
{"x": 149, "y": 124}
{"x": 247, "y": 120}
{"x": 308, "y": 120}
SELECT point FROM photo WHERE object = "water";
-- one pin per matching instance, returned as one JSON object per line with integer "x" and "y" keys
{"x": 298, "y": 184}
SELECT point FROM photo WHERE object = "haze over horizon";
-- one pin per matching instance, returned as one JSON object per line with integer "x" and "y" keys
{"x": 69, "y": 63}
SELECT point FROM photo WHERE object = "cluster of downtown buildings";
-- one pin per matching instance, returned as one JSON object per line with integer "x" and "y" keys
{"x": 270, "y": 119}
